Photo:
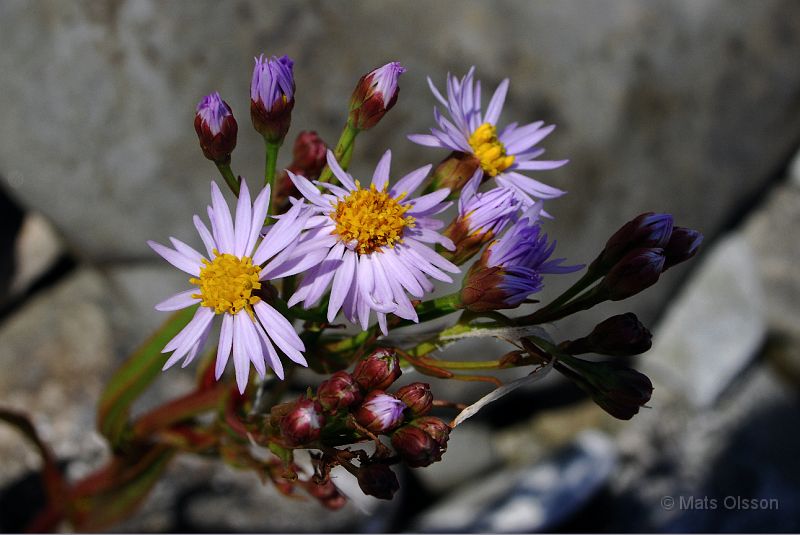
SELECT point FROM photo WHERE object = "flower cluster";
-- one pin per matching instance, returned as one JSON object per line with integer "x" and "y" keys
{"x": 315, "y": 241}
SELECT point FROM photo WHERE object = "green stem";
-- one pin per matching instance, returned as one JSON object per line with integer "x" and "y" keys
{"x": 545, "y": 313}
{"x": 230, "y": 178}
{"x": 465, "y": 365}
{"x": 343, "y": 151}
{"x": 270, "y": 163}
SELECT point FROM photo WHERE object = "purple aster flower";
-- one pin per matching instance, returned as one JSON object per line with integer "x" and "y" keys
{"x": 370, "y": 244}
{"x": 512, "y": 267}
{"x": 228, "y": 280}
{"x": 216, "y": 128}
{"x": 272, "y": 96}
{"x": 500, "y": 154}
{"x": 481, "y": 217}
{"x": 374, "y": 95}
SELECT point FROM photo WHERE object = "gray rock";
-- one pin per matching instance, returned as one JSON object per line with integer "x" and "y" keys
{"x": 714, "y": 327}
{"x": 55, "y": 353}
{"x": 527, "y": 499}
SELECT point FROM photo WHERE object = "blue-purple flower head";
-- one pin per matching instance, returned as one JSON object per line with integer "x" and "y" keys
{"x": 512, "y": 267}
{"x": 272, "y": 96}
{"x": 482, "y": 216}
{"x": 216, "y": 128}
{"x": 374, "y": 95}
{"x": 499, "y": 154}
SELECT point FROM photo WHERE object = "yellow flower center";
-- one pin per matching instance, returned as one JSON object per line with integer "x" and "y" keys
{"x": 227, "y": 283}
{"x": 489, "y": 150}
{"x": 371, "y": 219}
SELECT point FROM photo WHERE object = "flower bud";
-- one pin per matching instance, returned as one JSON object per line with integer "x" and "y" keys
{"x": 648, "y": 230}
{"x": 417, "y": 397}
{"x": 618, "y": 390}
{"x": 378, "y": 370}
{"x": 374, "y": 95}
{"x": 482, "y": 289}
{"x": 637, "y": 270}
{"x": 377, "y": 480}
{"x": 216, "y": 128}
{"x": 622, "y": 336}
{"x": 303, "y": 423}
{"x": 436, "y": 428}
{"x": 272, "y": 97}
{"x": 454, "y": 172}
{"x": 682, "y": 245}
{"x": 338, "y": 392}
{"x": 380, "y": 412}
{"x": 308, "y": 160}
{"x": 416, "y": 447}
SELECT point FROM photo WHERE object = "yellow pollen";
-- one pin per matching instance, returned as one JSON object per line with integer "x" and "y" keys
{"x": 371, "y": 219}
{"x": 489, "y": 150}
{"x": 227, "y": 283}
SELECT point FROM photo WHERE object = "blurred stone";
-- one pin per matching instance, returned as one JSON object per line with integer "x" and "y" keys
{"x": 744, "y": 447}
{"x": 530, "y": 498}
{"x": 769, "y": 231}
{"x": 713, "y": 328}
{"x": 198, "y": 495}
{"x": 56, "y": 351}
{"x": 36, "y": 250}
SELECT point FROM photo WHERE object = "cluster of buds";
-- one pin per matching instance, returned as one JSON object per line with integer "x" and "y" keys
{"x": 361, "y": 401}
{"x": 635, "y": 256}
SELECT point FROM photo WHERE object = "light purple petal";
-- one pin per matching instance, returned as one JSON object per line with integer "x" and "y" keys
{"x": 187, "y": 251}
{"x": 221, "y": 220}
{"x": 282, "y": 233}
{"x": 409, "y": 183}
{"x": 425, "y": 140}
{"x": 244, "y": 221}
{"x": 307, "y": 189}
{"x": 381, "y": 175}
{"x": 496, "y": 104}
{"x": 342, "y": 282}
{"x": 241, "y": 360}
{"x": 205, "y": 235}
{"x": 178, "y": 301}
{"x": 175, "y": 258}
{"x": 225, "y": 345}
{"x": 260, "y": 208}
{"x": 343, "y": 177}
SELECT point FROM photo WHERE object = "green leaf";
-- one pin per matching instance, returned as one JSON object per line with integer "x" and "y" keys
{"x": 135, "y": 375}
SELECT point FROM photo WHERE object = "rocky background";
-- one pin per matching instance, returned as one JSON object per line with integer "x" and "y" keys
{"x": 687, "y": 106}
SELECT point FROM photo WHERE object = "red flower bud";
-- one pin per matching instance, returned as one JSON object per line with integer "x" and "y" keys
{"x": 436, "y": 428}
{"x": 378, "y": 480}
{"x": 454, "y": 172}
{"x": 416, "y": 446}
{"x": 327, "y": 494}
{"x": 417, "y": 397}
{"x": 216, "y": 128}
{"x": 622, "y": 336}
{"x": 638, "y": 270}
{"x": 682, "y": 245}
{"x": 302, "y": 423}
{"x": 308, "y": 154}
{"x": 374, "y": 95}
{"x": 380, "y": 412}
{"x": 647, "y": 230}
{"x": 378, "y": 370}
{"x": 338, "y": 392}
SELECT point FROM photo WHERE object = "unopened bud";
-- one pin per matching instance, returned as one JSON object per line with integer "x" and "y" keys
{"x": 272, "y": 97}
{"x": 436, "y": 428}
{"x": 416, "y": 446}
{"x": 417, "y": 397}
{"x": 454, "y": 172}
{"x": 308, "y": 160}
{"x": 648, "y": 230}
{"x": 622, "y": 336}
{"x": 374, "y": 95}
{"x": 377, "y": 480}
{"x": 338, "y": 392}
{"x": 378, "y": 370}
{"x": 482, "y": 289}
{"x": 618, "y": 390}
{"x": 216, "y": 128}
{"x": 637, "y": 270}
{"x": 380, "y": 412}
{"x": 682, "y": 245}
{"x": 303, "y": 423}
